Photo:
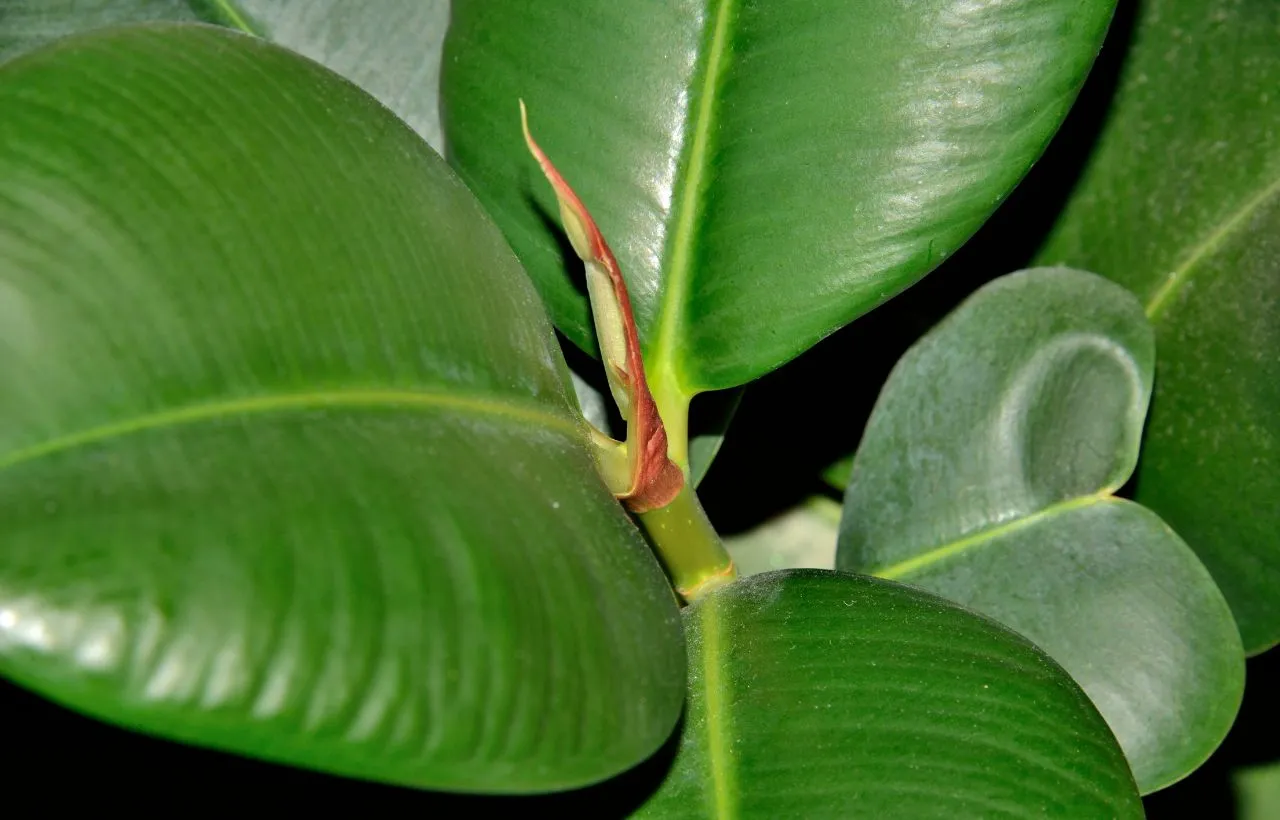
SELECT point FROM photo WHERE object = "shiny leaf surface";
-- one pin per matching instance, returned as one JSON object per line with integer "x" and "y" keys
{"x": 821, "y": 695}
{"x": 1181, "y": 204}
{"x": 289, "y": 459}
{"x": 766, "y": 172}
{"x": 986, "y": 476}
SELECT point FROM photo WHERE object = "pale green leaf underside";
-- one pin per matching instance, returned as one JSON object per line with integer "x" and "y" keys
{"x": 289, "y": 458}
{"x": 390, "y": 48}
{"x": 26, "y": 24}
{"x": 801, "y": 537}
{"x": 985, "y": 475}
{"x": 820, "y": 695}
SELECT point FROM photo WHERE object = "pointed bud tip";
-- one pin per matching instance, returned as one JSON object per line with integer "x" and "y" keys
{"x": 524, "y": 123}
{"x": 547, "y": 168}
{"x": 656, "y": 480}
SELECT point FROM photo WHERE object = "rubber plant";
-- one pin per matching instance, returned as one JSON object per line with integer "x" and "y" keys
{"x": 296, "y": 469}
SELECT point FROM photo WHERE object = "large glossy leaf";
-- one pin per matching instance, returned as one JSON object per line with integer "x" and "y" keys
{"x": 820, "y": 695}
{"x": 986, "y": 475}
{"x": 1181, "y": 204}
{"x": 288, "y": 457}
{"x": 765, "y": 172}
{"x": 392, "y": 49}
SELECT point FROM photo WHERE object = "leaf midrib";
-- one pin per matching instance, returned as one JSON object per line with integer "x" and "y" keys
{"x": 719, "y": 744}
{"x": 670, "y": 316}
{"x": 277, "y": 402}
{"x": 916, "y": 563}
{"x": 1178, "y": 279}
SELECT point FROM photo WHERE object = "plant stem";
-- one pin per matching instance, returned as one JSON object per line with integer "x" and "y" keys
{"x": 673, "y": 409}
{"x": 681, "y": 534}
{"x": 688, "y": 546}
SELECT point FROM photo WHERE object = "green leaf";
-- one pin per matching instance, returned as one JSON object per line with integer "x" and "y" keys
{"x": 765, "y": 172}
{"x": 1180, "y": 203}
{"x": 390, "y": 48}
{"x": 289, "y": 459}
{"x": 820, "y": 695}
{"x": 986, "y": 476}
{"x": 26, "y": 24}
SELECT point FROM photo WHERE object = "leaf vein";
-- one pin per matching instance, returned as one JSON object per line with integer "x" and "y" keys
{"x": 1182, "y": 274}
{"x": 250, "y": 405}
{"x": 719, "y": 743}
{"x": 919, "y": 562}
{"x": 675, "y": 293}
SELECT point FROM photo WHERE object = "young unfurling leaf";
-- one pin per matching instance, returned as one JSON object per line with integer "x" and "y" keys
{"x": 654, "y": 478}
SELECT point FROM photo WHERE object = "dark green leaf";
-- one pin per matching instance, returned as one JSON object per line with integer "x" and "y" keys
{"x": 985, "y": 475}
{"x": 820, "y": 695}
{"x": 289, "y": 462}
{"x": 766, "y": 172}
{"x": 1181, "y": 204}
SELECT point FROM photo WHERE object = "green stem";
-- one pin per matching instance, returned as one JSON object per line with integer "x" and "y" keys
{"x": 688, "y": 546}
{"x": 681, "y": 534}
{"x": 673, "y": 409}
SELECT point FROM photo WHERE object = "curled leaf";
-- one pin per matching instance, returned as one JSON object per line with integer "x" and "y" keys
{"x": 655, "y": 478}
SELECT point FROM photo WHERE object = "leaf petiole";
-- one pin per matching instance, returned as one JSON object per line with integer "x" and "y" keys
{"x": 688, "y": 546}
